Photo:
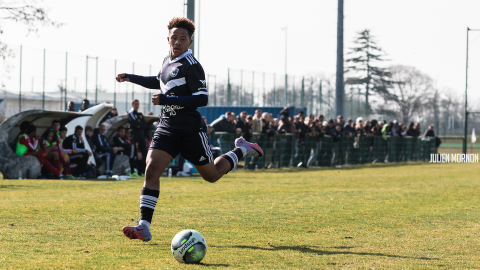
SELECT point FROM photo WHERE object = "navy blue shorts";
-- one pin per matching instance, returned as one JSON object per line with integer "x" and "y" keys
{"x": 194, "y": 147}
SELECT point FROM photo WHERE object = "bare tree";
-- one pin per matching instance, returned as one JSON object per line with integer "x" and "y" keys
{"x": 27, "y": 12}
{"x": 410, "y": 90}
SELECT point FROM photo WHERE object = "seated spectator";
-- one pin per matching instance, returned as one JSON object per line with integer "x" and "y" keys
{"x": 121, "y": 140}
{"x": 257, "y": 121}
{"x": 89, "y": 138}
{"x": 120, "y": 143}
{"x": 209, "y": 135}
{"x": 49, "y": 154}
{"x": 76, "y": 142}
{"x": 85, "y": 105}
{"x": 65, "y": 153}
{"x": 112, "y": 113}
{"x": 349, "y": 129}
{"x": 103, "y": 149}
{"x": 27, "y": 142}
{"x": 23, "y": 130}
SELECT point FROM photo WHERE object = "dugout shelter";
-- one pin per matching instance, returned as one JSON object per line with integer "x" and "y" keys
{"x": 12, "y": 165}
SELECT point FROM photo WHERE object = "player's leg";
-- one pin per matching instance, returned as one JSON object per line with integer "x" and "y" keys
{"x": 198, "y": 152}
{"x": 159, "y": 156}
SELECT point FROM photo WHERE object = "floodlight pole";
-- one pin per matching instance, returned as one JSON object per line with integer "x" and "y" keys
{"x": 466, "y": 101}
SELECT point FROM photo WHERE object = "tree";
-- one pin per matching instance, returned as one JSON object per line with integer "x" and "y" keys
{"x": 27, "y": 12}
{"x": 410, "y": 90}
{"x": 362, "y": 67}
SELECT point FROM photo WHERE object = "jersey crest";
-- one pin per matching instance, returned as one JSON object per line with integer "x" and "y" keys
{"x": 174, "y": 73}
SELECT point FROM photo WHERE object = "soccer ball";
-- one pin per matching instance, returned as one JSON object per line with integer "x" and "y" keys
{"x": 189, "y": 246}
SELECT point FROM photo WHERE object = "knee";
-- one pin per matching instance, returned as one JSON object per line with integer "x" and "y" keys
{"x": 55, "y": 155}
{"x": 211, "y": 178}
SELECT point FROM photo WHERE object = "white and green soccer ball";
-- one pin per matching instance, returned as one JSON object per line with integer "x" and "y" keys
{"x": 189, "y": 246}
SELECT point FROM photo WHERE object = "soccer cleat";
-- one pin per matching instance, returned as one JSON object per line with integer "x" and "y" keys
{"x": 137, "y": 232}
{"x": 253, "y": 150}
{"x": 134, "y": 175}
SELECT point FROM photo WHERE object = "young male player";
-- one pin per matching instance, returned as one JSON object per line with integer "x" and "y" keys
{"x": 181, "y": 129}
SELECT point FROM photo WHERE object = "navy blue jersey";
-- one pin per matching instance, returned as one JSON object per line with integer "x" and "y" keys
{"x": 183, "y": 76}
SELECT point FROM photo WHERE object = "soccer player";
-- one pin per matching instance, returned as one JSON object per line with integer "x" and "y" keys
{"x": 181, "y": 130}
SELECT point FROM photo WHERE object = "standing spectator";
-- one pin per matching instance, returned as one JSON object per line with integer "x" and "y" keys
{"x": 137, "y": 136}
{"x": 76, "y": 142}
{"x": 257, "y": 121}
{"x": 285, "y": 112}
{"x": 418, "y": 131}
{"x": 274, "y": 123}
{"x": 411, "y": 130}
{"x": 349, "y": 129}
{"x": 301, "y": 114}
{"x": 359, "y": 130}
{"x": 112, "y": 113}
{"x": 286, "y": 126}
{"x": 71, "y": 106}
{"x": 241, "y": 121}
{"x": 429, "y": 132}
{"x": 247, "y": 134}
{"x": 104, "y": 150}
{"x": 85, "y": 105}
{"x": 225, "y": 123}
{"x": 204, "y": 120}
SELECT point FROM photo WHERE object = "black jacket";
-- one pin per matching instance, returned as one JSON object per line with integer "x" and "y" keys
{"x": 137, "y": 124}
{"x": 124, "y": 147}
{"x": 222, "y": 124}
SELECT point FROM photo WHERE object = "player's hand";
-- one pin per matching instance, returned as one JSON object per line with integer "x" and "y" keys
{"x": 115, "y": 150}
{"x": 75, "y": 151}
{"x": 89, "y": 153}
{"x": 121, "y": 78}
{"x": 156, "y": 99}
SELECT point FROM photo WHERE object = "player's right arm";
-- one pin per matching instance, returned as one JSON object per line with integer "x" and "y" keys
{"x": 150, "y": 82}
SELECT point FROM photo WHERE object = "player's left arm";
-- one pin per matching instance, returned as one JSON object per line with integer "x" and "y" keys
{"x": 198, "y": 88}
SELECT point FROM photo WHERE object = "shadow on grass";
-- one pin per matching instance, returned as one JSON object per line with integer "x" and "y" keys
{"x": 212, "y": 264}
{"x": 15, "y": 186}
{"x": 306, "y": 249}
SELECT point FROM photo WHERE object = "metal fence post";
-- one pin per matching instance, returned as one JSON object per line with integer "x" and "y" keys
{"x": 66, "y": 76}
{"x": 253, "y": 88}
{"x": 302, "y": 94}
{"x": 133, "y": 85}
{"x": 86, "y": 81}
{"x": 20, "y": 86}
{"x": 96, "y": 80}
{"x": 115, "y": 86}
{"x": 43, "y": 96}
{"x": 229, "y": 90}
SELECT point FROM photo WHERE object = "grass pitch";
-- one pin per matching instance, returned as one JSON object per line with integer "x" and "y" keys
{"x": 416, "y": 216}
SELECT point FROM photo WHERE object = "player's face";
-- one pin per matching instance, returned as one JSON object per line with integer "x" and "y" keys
{"x": 179, "y": 41}
{"x": 78, "y": 133}
{"x": 63, "y": 134}
{"x": 121, "y": 133}
{"x": 136, "y": 105}
{"x": 56, "y": 126}
{"x": 102, "y": 130}
{"x": 50, "y": 137}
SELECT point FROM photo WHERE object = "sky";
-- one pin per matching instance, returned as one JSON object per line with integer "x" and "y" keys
{"x": 428, "y": 35}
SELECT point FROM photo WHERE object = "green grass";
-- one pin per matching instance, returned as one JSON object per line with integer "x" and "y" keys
{"x": 416, "y": 216}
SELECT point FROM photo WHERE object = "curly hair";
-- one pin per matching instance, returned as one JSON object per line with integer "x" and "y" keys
{"x": 180, "y": 22}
